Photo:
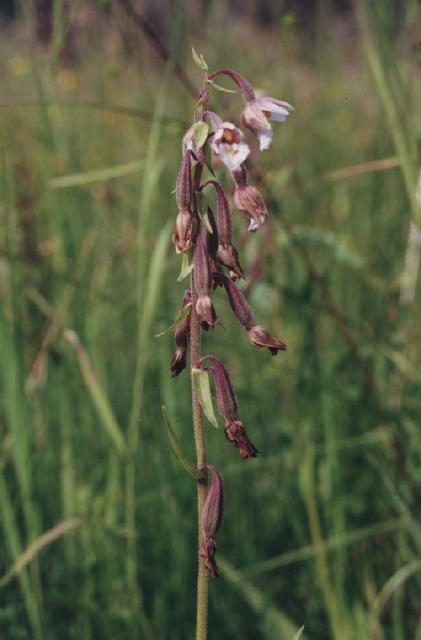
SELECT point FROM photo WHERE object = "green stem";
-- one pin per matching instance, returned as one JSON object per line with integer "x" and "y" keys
{"x": 202, "y": 485}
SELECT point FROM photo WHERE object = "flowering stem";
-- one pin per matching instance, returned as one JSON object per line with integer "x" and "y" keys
{"x": 202, "y": 484}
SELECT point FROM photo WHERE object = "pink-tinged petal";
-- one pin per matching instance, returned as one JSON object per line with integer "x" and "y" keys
{"x": 265, "y": 139}
{"x": 270, "y": 104}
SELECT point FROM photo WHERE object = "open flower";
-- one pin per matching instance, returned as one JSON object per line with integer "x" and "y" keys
{"x": 228, "y": 146}
{"x": 257, "y": 114}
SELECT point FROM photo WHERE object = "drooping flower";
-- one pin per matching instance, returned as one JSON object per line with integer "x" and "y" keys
{"x": 234, "y": 429}
{"x": 178, "y": 363}
{"x": 211, "y": 519}
{"x": 258, "y": 335}
{"x": 258, "y": 111}
{"x": 249, "y": 200}
{"x": 257, "y": 114}
{"x": 228, "y": 146}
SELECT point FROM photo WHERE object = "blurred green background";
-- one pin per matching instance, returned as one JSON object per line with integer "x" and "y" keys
{"x": 98, "y": 520}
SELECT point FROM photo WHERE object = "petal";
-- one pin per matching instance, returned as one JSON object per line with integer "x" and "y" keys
{"x": 231, "y": 157}
{"x": 265, "y": 139}
{"x": 278, "y": 113}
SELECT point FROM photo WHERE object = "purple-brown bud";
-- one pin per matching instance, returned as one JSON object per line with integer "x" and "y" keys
{"x": 178, "y": 363}
{"x": 227, "y": 253}
{"x": 228, "y": 256}
{"x": 211, "y": 519}
{"x": 185, "y": 231}
{"x": 236, "y": 435}
{"x": 249, "y": 200}
{"x": 202, "y": 283}
{"x": 239, "y": 304}
{"x": 183, "y": 188}
{"x": 260, "y": 337}
{"x": 211, "y": 242}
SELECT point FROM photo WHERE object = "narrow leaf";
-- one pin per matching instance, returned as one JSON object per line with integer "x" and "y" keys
{"x": 219, "y": 88}
{"x": 98, "y": 175}
{"x": 178, "y": 450}
{"x": 199, "y": 60}
{"x": 201, "y": 382}
{"x": 200, "y": 133}
{"x": 181, "y": 317}
{"x": 299, "y": 633}
{"x": 186, "y": 268}
{"x": 98, "y": 396}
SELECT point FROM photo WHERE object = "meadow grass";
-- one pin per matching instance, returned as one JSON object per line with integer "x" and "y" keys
{"x": 97, "y": 517}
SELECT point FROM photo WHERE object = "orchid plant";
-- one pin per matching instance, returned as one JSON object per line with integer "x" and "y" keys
{"x": 216, "y": 263}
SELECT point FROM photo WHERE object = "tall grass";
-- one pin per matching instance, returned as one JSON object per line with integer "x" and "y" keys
{"x": 322, "y": 530}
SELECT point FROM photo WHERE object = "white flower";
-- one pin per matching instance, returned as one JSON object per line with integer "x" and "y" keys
{"x": 256, "y": 117}
{"x": 228, "y": 146}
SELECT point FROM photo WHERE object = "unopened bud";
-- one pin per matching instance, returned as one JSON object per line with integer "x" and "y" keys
{"x": 225, "y": 396}
{"x": 185, "y": 231}
{"x": 227, "y": 253}
{"x": 178, "y": 363}
{"x": 260, "y": 337}
{"x": 202, "y": 283}
{"x": 183, "y": 189}
{"x": 239, "y": 304}
{"x": 211, "y": 519}
{"x": 249, "y": 200}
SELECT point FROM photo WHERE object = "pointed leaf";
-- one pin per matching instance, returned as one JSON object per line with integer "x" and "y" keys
{"x": 181, "y": 317}
{"x": 178, "y": 450}
{"x": 186, "y": 268}
{"x": 202, "y": 385}
{"x": 299, "y": 633}
{"x": 199, "y": 60}
{"x": 219, "y": 88}
{"x": 205, "y": 220}
{"x": 200, "y": 133}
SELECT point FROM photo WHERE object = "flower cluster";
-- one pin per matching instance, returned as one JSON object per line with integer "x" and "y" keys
{"x": 216, "y": 262}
